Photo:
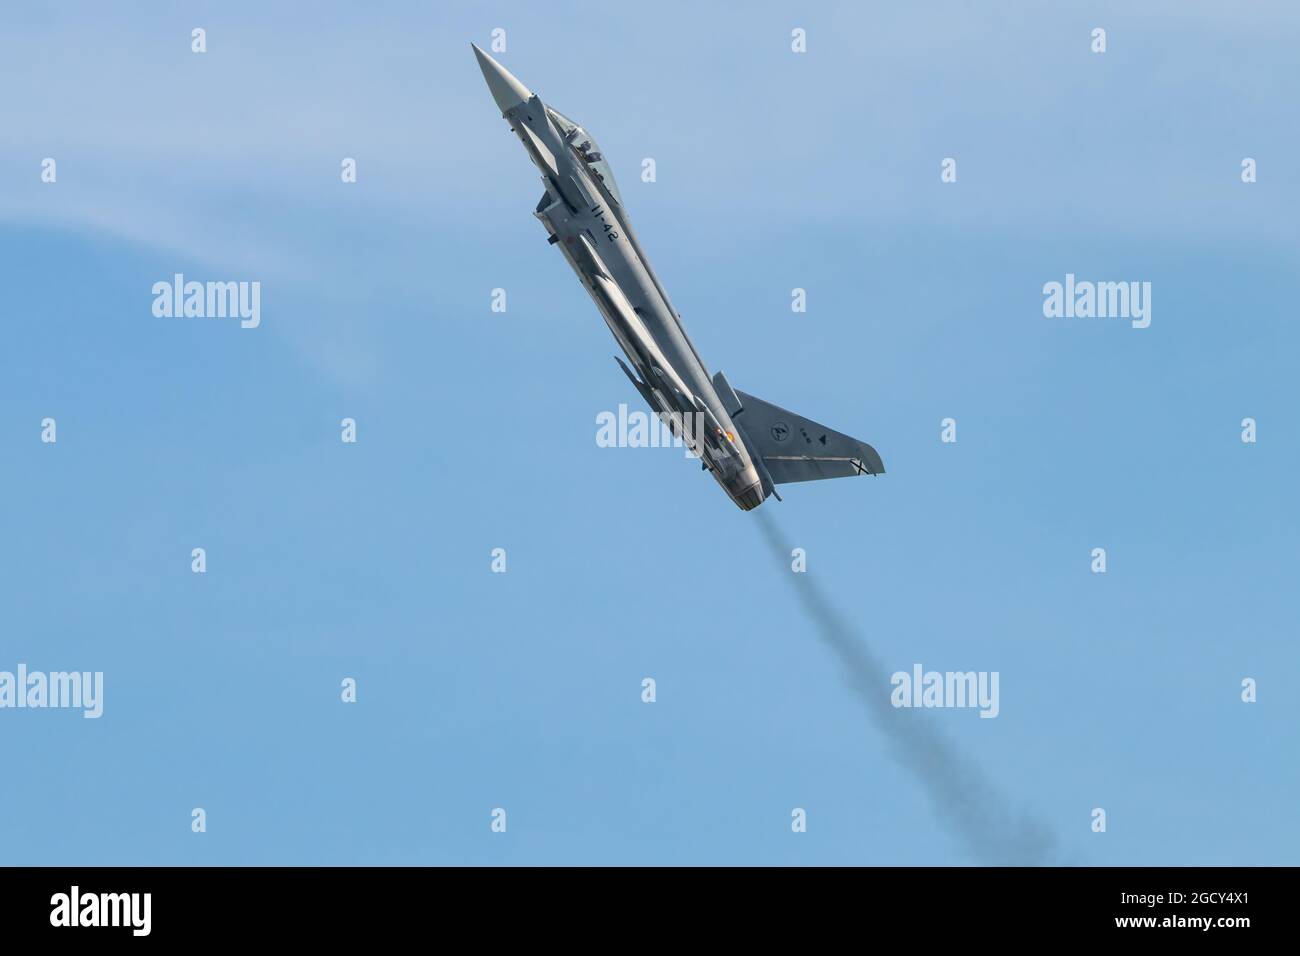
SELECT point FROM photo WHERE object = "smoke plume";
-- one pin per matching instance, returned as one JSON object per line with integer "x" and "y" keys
{"x": 965, "y": 800}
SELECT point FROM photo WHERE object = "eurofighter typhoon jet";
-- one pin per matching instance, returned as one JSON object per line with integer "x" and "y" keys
{"x": 750, "y": 446}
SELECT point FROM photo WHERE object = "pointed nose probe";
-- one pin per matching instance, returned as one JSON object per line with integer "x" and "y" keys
{"x": 506, "y": 90}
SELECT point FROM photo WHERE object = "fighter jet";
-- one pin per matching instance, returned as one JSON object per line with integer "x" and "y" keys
{"x": 750, "y": 446}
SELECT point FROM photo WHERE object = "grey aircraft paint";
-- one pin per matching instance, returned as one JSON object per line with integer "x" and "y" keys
{"x": 747, "y": 444}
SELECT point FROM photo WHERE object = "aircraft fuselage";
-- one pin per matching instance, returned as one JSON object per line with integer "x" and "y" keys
{"x": 585, "y": 218}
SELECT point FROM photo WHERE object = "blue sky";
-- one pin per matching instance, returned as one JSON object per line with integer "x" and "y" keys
{"x": 476, "y": 430}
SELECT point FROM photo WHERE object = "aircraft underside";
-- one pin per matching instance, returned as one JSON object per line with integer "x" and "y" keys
{"x": 747, "y": 444}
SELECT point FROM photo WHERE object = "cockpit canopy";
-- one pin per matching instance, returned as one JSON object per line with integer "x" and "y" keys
{"x": 585, "y": 147}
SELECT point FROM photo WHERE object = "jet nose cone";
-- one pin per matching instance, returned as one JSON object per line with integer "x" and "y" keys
{"x": 506, "y": 90}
